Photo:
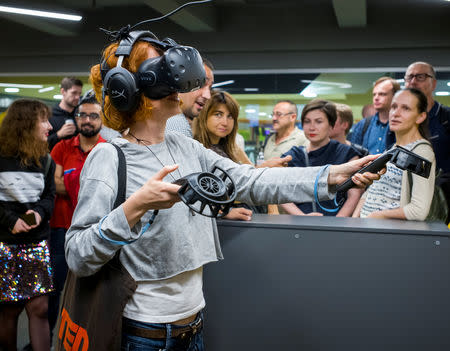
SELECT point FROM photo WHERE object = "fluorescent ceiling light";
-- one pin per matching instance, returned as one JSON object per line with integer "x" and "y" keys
{"x": 442, "y": 93}
{"x": 251, "y": 89}
{"x": 12, "y": 85}
{"x": 339, "y": 85}
{"x": 43, "y": 90}
{"x": 57, "y": 97}
{"x": 227, "y": 82}
{"x": 448, "y": 83}
{"x": 12, "y": 90}
{"x": 402, "y": 80}
{"x": 262, "y": 114}
{"x": 309, "y": 94}
{"x": 250, "y": 110}
{"x": 39, "y": 13}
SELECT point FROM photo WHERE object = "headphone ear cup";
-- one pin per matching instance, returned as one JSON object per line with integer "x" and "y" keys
{"x": 121, "y": 88}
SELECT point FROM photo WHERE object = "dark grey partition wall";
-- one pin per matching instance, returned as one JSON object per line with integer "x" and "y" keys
{"x": 316, "y": 283}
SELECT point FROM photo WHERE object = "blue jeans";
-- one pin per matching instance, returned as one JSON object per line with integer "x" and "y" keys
{"x": 135, "y": 343}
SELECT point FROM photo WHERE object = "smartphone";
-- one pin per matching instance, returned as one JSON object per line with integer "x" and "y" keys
{"x": 29, "y": 218}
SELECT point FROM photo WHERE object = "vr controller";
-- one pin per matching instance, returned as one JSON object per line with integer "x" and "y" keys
{"x": 399, "y": 156}
{"x": 207, "y": 193}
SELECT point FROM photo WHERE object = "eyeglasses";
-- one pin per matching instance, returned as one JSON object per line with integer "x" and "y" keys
{"x": 92, "y": 116}
{"x": 279, "y": 114}
{"x": 420, "y": 77}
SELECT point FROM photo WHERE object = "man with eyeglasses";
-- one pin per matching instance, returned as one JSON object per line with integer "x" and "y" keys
{"x": 286, "y": 134}
{"x": 69, "y": 156}
{"x": 422, "y": 76}
{"x": 62, "y": 121}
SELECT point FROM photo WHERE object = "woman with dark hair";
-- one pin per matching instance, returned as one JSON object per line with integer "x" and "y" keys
{"x": 318, "y": 119}
{"x": 27, "y": 192}
{"x": 391, "y": 197}
{"x": 165, "y": 258}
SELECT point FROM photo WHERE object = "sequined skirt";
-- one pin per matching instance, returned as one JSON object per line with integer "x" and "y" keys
{"x": 25, "y": 271}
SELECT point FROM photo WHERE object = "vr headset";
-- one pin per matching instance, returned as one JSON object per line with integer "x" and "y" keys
{"x": 180, "y": 69}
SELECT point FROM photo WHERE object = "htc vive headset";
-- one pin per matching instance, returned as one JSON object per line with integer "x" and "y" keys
{"x": 179, "y": 69}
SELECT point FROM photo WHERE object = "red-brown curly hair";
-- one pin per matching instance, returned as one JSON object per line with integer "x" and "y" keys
{"x": 112, "y": 117}
{"x": 18, "y": 131}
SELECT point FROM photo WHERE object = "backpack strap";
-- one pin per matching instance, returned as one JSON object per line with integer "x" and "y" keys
{"x": 444, "y": 117}
{"x": 121, "y": 192}
{"x": 422, "y": 143}
{"x": 305, "y": 153}
{"x": 367, "y": 121}
{"x": 122, "y": 176}
{"x": 267, "y": 139}
{"x": 410, "y": 179}
{"x": 361, "y": 150}
{"x": 48, "y": 162}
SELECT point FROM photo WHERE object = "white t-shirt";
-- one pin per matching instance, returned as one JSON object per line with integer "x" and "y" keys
{"x": 167, "y": 300}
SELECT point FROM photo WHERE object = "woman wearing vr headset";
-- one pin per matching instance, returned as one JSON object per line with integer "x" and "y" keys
{"x": 167, "y": 259}
{"x": 393, "y": 196}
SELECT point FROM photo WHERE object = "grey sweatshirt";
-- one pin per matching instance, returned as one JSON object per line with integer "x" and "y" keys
{"x": 177, "y": 241}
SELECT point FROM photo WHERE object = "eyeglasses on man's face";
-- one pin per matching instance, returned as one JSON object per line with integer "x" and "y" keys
{"x": 83, "y": 116}
{"x": 420, "y": 77}
{"x": 279, "y": 114}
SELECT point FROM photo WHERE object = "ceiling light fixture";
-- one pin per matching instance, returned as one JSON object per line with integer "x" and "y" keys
{"x": 442, "y": 93}
{"x": 339, "y": 85}
{"x": 12, "y": 90}
{"x": 308, "y": 94}
{"x": 46, "y": 14}
{"x": 251, "y": 89}
{"x": 13, "y": 85}
{"x": 57, "y": 97}
{"x": 43, "y": 90}
{"x": 227, "y": 82}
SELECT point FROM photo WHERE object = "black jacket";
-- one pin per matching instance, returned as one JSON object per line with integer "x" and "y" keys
{"x": 23, "y": 188}
{"x": 57, "y": 120}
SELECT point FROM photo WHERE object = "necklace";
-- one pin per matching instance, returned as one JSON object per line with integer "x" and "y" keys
{"x": 143, "y": 142}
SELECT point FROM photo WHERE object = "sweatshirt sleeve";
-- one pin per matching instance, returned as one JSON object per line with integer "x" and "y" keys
{"x": 269, "y": 185}
{"x": 417, "y": 204}
{"x": 7, "y": 218}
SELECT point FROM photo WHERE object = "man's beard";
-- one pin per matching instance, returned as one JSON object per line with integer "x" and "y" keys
{"x": 88, "y": 133}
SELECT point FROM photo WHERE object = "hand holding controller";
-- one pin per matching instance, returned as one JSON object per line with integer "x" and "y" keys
{"x": 401, "y": 157}
{"x": 375, "y": 166}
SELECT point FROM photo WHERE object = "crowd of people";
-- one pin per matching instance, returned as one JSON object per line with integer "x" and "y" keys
{"x": 55, "y": 210}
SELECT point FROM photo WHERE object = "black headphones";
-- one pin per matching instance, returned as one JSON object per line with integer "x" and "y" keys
{"x": 179, "y": 69}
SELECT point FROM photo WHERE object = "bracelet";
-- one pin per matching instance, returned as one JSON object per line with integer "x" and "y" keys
{"x": 126, "y": 242}
{"x": 316, "y": 197}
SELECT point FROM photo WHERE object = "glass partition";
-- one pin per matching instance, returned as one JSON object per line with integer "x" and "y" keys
{"x": 257, "y": 93}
